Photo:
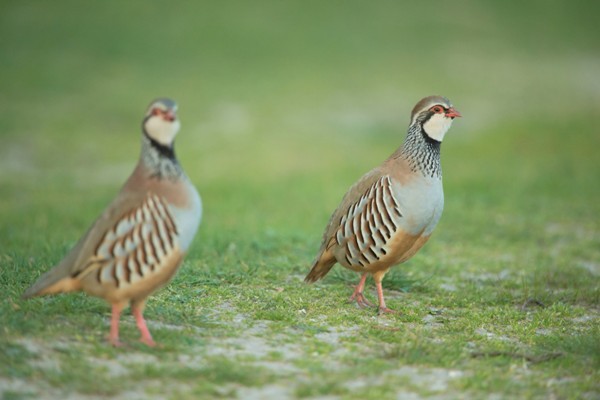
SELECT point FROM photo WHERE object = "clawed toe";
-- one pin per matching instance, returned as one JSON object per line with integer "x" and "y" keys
{"x": 115, "y": 342}
{"x": 148, "y": 341}
{"x": 361, "y": 300}
{"x": 385, "y": 310}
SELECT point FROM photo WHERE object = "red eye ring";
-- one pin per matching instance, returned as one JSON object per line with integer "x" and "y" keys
{"x": 156, "y": 111}
{"x": 437, "y": 109}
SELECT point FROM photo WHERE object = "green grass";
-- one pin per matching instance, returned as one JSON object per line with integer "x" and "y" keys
{"x": 284, "y": 105}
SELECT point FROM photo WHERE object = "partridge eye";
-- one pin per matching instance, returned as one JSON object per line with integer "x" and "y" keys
{"x": 156, "y": 111}
{"x": 437, "y": 109}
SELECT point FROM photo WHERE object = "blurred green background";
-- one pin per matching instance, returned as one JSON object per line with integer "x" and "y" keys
{"x": 284, "y": 104}
{"x": 277, "y": 91}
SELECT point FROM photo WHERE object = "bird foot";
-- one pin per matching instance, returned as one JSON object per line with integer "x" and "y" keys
{"x": 385, "y": 310}
{"x": 147, "y": 341}
{"x": 360, "y": 299}
{"x": 115, "y": 342}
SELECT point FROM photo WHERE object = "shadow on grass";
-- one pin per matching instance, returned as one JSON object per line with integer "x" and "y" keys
{"x": 394, "y": 280}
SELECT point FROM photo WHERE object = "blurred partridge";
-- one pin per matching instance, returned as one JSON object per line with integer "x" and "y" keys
{"x": 389, "y": 214}
{"x": 139, "y": 241}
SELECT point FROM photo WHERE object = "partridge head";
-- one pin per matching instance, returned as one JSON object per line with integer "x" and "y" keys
{"x": 389, "y": 214}
{"x": 161, "y": 123}
{"x": 141, "y": 238}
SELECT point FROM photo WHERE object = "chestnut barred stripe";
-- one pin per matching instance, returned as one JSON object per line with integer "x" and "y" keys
{"x": 138, "y": 243}
{"x": 369, "y": 224}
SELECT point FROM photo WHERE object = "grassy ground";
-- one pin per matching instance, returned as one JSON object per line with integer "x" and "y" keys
{"x": 284, "y": 105}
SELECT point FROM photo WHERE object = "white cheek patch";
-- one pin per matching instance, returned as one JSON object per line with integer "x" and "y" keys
{"x": 161, "y": 130}
{"x": 437, "y": 126}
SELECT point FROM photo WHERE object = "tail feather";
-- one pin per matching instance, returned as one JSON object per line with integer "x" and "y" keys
{"x": 51, "y": 282}
{"x": 59, "y": 279}
{"x": 320, "y": 267}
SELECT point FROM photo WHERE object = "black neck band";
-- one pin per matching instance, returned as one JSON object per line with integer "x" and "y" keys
{"x": 163, "y": 151}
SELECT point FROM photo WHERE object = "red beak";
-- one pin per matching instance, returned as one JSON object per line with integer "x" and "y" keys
{"x": 169, "y": 116}
{"x": 452, "y": 113}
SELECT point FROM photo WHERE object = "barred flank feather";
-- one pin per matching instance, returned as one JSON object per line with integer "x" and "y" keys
{"x": 137, "y": 245}
{"x": 369, "y": 224}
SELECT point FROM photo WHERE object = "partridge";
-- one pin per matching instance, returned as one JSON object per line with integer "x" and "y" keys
{"x": 139, "y": 241}
{"x": 390, "y": 213}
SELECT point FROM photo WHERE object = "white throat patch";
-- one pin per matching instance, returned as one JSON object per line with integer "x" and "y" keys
{"x": 437, "y": 126}
{"x": 161, "y": 130}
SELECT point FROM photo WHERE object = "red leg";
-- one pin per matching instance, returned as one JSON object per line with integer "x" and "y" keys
{"x": 146, "y": 337}
{"x": 358, "y": 295}
{"x": 113, "y": 337}
{"x": 382, "y": 307}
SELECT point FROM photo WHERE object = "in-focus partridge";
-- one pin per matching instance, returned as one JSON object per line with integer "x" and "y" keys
{"x": 389, "y": 214}
{"x": 139, "y": 241}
